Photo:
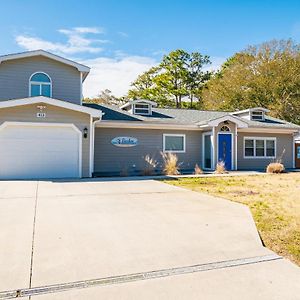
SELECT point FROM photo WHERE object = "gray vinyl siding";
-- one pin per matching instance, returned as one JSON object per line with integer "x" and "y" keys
{"x": 15, "y": 75}
{"x": 27, "y": 113}
{"x": 284, "y": 148}
{"x": 112, "y": 160}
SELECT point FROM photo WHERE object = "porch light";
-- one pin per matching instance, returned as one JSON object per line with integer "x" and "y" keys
{"x": 85, "y": 132}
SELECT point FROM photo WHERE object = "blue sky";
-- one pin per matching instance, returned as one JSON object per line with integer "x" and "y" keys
{"x": 120, "y": 39}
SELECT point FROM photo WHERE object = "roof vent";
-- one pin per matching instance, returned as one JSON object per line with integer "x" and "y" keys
{"x": 257, "y": 115}
{"x": 139, "y": 107}
{"x": 254, "y": 114}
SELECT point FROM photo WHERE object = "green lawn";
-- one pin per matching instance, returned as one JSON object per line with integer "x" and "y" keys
{"x": 273, "y": 199}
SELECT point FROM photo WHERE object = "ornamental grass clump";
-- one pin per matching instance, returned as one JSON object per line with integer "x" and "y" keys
{"x": 275, "y": 168}
{"x": 171, "y": 165}
{"x": 198, "y": 170}
{"x": 220, "y": 168}
{"x": 150, "y": 165}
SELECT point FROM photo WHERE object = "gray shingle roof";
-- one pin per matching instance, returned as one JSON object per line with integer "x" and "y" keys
{"x": 183, "y": 117}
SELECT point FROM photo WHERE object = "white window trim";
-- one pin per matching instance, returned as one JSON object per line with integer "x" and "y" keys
{"x": 211, "y": 149}
{"x": 134, "y": 109}
{"x": 40, "y": 83}
{"x": 177, "y": 135}
{"x": 265, "y": 139}
{"x": 226, "y": 131}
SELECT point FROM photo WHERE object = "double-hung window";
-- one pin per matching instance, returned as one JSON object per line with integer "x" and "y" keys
{"x": 259, "y": 147}
{"x": 40, "y": 85}
{"x": 174, "y": 143}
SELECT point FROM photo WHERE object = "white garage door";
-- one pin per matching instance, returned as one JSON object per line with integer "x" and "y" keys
{"x": 34, "y": 151}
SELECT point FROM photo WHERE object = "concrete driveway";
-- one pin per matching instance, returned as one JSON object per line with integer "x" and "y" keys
{"x": 57, "y": 233}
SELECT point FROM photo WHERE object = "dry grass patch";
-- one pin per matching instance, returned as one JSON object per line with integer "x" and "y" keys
{"x": 273, "y": 200}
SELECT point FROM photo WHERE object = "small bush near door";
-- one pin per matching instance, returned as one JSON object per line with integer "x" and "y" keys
{"x": 275, "y": 167}
{"x": 171, "y": 166}
{"x": 198, "y": 170}
{"x": 220, "y": 168}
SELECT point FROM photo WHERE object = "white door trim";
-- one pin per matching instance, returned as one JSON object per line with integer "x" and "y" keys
{"x": 203, "y": 150}
{"x": 294, "y": 152}
{"x": 46, "y": 124}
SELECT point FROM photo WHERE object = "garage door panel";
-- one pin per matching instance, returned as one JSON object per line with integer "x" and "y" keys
{"x": 39, "y": 133}
{"x": 39, "y": 152}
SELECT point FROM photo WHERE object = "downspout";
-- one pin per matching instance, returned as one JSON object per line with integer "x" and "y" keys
{"x": 92, "y": 143}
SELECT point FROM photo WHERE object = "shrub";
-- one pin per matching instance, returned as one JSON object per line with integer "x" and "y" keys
{"x": 220, "y": 168}
{"x": 275, "y": 167}
{"x": 171, "y": 166}
{"x": 198, "y": 170}
{"x": 150, "y": 165}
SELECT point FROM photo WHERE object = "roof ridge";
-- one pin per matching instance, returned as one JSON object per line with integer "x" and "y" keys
{"x": 198, "y": 110}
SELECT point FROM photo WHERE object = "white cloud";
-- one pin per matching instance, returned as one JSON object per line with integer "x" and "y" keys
{"x": 89, "y": 30}
{"x": 123, "y": 34}
{"x": 77, "y": 41}
{"x": 115, "y": 74}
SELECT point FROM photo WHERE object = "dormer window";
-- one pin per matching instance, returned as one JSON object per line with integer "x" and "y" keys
{"x": 254, "y": 114}
{"x": 40, "y": 85}
{"x": 142, "y": 109}
{"x": 257, "y": 115}
{"x": 139, "y": 107}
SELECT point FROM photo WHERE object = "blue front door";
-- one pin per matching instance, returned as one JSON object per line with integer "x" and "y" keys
{"x": 224, "y": 146}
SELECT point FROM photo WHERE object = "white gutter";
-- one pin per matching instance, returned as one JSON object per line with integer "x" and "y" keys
{"x": 143, "y": 124}
{"x": 269, "y": 130}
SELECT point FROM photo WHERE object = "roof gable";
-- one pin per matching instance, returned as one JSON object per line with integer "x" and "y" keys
{"x": 81, "y": 68}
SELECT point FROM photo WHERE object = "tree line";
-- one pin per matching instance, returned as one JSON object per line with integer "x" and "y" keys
{"x": 267, "y": 75}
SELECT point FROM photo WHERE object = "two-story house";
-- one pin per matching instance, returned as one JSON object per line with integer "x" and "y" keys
{"x": 47, "y": 132}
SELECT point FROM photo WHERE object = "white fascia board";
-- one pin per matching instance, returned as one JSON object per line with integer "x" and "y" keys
{"x": 131, "y": 102}
{"x": 79, "y": 67}
{"x": 250, "y": 110}
{"x": 268, "y": 130}
{"x": 41, "y": 99}
{"x": 240, "y": 123}
{"x": 143, "y": 125}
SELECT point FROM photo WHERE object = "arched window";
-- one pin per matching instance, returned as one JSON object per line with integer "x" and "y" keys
{"x": 40, "y": 85}
{"x": 224, "y": 129}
